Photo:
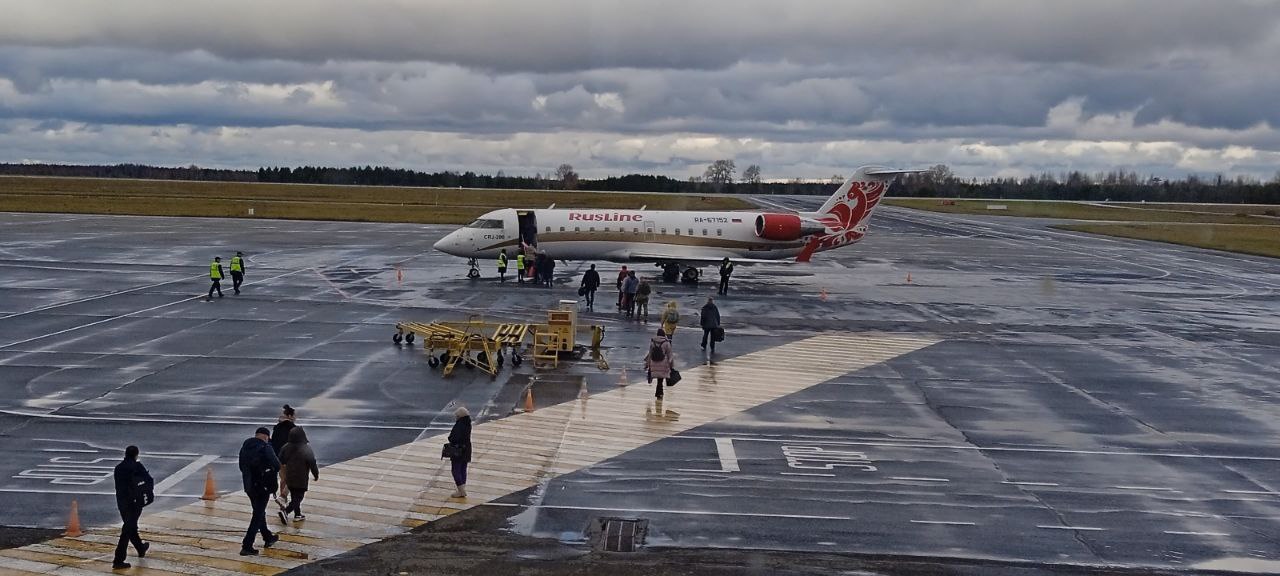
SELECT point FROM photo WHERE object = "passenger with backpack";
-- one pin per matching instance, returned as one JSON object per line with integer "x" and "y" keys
{"x": 659, "y": 362}
{"x": 670, "y": 318}
{"x": 642, "y": 301}
{"x": 134, "y": 490}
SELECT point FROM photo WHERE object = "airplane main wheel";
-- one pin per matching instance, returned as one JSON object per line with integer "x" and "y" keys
{"x": 473, "y": 273}
{"x": 691, "y": 275}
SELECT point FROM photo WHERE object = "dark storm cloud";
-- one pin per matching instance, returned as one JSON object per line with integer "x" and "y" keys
{"x": 997, "y": 83}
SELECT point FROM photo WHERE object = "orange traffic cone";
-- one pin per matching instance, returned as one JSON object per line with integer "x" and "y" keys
{"x": 622, "y": 379}
{"x": 528, "y": 401}
{"x": 399, "y": 275}
{"x": 210, "y": 490}
{"x": 823, "y": 295}
{"x": 73, "y": 524}
{"x": 908, "y": 277}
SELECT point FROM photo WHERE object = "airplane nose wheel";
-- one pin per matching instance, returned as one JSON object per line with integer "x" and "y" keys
{"x": 474, "y": 272}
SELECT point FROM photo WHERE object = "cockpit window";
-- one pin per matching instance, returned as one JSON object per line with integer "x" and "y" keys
{"x": 485, "y": 223}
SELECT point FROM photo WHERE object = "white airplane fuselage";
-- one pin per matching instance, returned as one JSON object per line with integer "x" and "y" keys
{"x": 692, "y": 237}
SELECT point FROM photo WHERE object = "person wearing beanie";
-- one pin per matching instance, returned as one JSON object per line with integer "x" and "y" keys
{"x": 259, "y": 469}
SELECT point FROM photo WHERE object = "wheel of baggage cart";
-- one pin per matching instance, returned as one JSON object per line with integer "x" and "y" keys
{"x": 432, "y": 361}
{"x": 408, "y": 338}
{"x": 395, "y": 338}
{"x": 516, "y": 359}
{"x": 482, "y": 358}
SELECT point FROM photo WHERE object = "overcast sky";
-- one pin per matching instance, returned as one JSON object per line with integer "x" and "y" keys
{"x": 807, "y": 88}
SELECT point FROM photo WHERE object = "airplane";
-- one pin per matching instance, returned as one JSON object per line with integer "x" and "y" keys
{"x": 671, "y": 238}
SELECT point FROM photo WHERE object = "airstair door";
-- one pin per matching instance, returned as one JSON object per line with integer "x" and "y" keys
{"x": 528, "y": 224}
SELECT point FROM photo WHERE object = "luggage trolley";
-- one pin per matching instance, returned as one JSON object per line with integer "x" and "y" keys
{"x": 473, "y": 343}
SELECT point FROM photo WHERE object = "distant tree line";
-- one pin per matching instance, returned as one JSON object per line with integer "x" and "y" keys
{"x": 938, "y": 181}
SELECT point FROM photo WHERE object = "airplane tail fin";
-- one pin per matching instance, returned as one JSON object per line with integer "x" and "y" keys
{"x": 852, "y": 204}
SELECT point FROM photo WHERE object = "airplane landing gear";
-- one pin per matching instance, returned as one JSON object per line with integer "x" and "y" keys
{"x": 474, "y": 272}
{"x": 691, "y": 275}
{"x": 670, "y": 273}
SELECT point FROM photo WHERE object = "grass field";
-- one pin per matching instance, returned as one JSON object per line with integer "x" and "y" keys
{"x": 1077, "y": 211}
{"x": 313, "y": 202}
{"x": 1259, "y": 240}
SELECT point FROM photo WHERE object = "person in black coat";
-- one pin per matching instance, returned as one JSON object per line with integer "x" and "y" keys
{"x": 259, "y": 469}
{"x": 280, "y": 433}
{"x": 134, "y": 489}
{"x": 710, "y": 323}
{"x": 460, "y": 437}
{"x": 549, "y": 270}
{"x": 590, "y": 283}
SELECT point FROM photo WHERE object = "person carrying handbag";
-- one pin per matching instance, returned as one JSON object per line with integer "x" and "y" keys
{"x": 710, "y": 323}
{"x": 659, "y": 362}
{"x": 458, "y": 450}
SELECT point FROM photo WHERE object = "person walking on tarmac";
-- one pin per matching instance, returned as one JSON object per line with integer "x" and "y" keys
{"x": 460, "y": 439}
{"x": 710, "y": 322}
{"x": 622, "y": 275}
{"x": 280, "y": 432}
{"x": 134, "y": 490}
{"x": 215, "y": 276}
{"x": 260, "y": 471}
{"x": 539, "y": 265}
{"x": 502, "y": 266}
{"x": 670, "y": 318}
{"x": 642, "y": 301}
{"x": 629, "y": 288}
{"x": 237, "y": 271}
{"x": 549, "y": 269}
{"x": 520, "y": 267}
{"x": 296, "y": 460}
{"x": 726, "y": 269}
{"x": 659, "y": 361}
{"x": 590, "y": 283}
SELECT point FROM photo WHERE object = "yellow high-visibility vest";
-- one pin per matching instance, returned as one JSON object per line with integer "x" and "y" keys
{"x": 502, "y": 260}
{"x": 519, "y": 261}
{"x": 235, "y": 264}
{"x": 215, "y": 271}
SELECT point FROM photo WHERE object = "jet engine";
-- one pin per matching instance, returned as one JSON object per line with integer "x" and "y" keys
{"x": 786, "y": 227}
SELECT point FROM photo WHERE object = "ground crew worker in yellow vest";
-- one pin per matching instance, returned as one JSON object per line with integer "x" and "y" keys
{"x": 502, "y": 265}
{"x": 237, "y": 270}
{"x": 520, "y": 267}
{"x": 215, "y": 275}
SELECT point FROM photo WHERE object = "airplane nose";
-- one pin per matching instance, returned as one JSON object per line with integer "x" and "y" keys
{"x": 448, "y": 244}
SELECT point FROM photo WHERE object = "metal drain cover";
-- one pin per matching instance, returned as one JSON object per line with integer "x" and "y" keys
{"x": 619, "y": 534}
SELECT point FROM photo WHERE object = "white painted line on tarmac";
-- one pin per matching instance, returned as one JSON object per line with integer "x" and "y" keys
{"x": 186, "y": 471}
{"x": 1010, "y": 449}
{"x": 728, "y": 456}
{"x": 909, "y": 478}
{"x": 100, "y": 296}
{"x": 1147, "y": 488}
{"x": 668, "y": 511}
{"x": 230, "y": 422}
{"x": 808, "y": 474}
{"x": 943, "y": 523}
{"x": 68, "y": 450}
{"x": 1084, "y": 528}
{"x": 1030, "y": 483}
{"x": 1179, "y": 533}
{"x": 1260, "y": 492}
{"x": 45, "y": 490}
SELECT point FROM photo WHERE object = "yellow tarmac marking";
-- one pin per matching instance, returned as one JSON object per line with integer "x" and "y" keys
{"x": 393, "y": 490}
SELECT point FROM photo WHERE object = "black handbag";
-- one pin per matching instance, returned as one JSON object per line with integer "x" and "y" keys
{"x": 582, "y": 291}
{"x": 450, "y": 450}
{"x": 675, "y": 377}
{"x": 717, "y": 335}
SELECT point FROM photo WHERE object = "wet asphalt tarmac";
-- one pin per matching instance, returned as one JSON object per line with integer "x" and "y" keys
{"x": 1094, "y": 400}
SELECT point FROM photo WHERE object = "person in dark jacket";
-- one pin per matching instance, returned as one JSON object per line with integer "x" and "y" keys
{"x": 296, "y": 460}
{"x": 280, "y": 433}
{"x": 539, "y": 265}
{"x": 726, "y": 270}
{"x": 710, "y": 323}
{"x": 134, "y": 489}
{"x": 259, "y": 468}
{"x": 460, "y": 436}
{"x": 549, "y": 270}
{"x": 590, "y": 283}
{"x": 622, "y": 275}
{"x": 630, "y": 286}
